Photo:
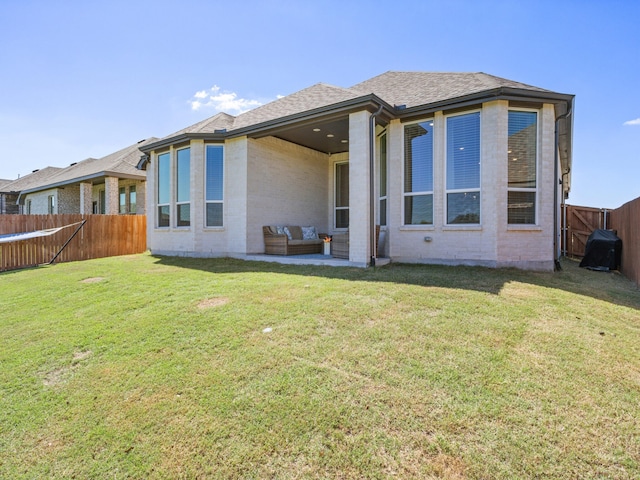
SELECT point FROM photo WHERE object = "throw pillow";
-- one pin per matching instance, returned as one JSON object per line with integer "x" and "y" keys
{"x": 309, "y": 233}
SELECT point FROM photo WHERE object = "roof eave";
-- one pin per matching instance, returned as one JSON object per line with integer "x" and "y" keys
{"x": 501, "y": 93}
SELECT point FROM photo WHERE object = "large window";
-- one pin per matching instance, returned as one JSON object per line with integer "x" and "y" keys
{"x": 342, "y": 195}
{"x": 463, "y": 169}
{"x": 418, "y": 173}
{"x": 164, "y": 172}
{"x": 214, "y": 185}
{"x": 383, "y": 180}
{"x": 183, "y": 185}
{"x": 522, "y": 154}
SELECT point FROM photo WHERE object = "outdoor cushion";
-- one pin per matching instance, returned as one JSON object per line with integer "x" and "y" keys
{"x": 295, "y": 232}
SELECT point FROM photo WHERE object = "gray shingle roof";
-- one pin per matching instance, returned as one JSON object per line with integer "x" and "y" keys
{"x": 316, "y": 96}
{"x": 422, "y": 88}
{"x": 396, "y": 88}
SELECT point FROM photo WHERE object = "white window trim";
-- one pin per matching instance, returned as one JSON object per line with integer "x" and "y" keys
{"x": 409, "y": 226}
{"x": 204, "y": 189}
{"x": 446, "y": 191}
{"x": 386, "y": 196}
{"x": 157, "y": 191}
{"x": 335, "y": 191}
{"x": 535, "y": 224}
{"x": 177, "y": 203}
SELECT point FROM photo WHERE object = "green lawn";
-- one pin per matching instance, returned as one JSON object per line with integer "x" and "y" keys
{"x": 147, "y": 367}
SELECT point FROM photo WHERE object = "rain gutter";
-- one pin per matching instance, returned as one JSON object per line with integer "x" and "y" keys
{"x": 558, "y": 184}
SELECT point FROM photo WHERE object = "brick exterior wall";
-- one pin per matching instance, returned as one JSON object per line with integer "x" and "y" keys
{"x": 270, "y": 181}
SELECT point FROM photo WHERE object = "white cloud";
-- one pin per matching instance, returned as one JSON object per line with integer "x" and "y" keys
{"x": 222, "y": 101}
{"x": 633, "y": 122}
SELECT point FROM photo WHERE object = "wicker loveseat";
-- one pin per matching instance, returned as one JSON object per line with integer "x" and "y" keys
{"x": 292, "y": 240}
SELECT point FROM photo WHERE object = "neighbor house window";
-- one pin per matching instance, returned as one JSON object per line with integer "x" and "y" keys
{"x": 522, "y": 155}
{"x": 164, "y": 171}
{"x": 418, "y": 173}
{"x": 28, "y": 207}
{"x": 122, "y": 200}
{"x": 102, "y": 197}
{"x": 183, "y": 185}
{"x": 51, "y": 204}
{"x": 383, "y": 180}
{"x": 463, "y": 169}
{"x": 214, "y": 185}
{"x": 342, "y": 195}
{"x": 133, "y": 206}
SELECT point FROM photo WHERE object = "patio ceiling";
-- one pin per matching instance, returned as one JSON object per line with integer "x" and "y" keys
{"x": 330, "y": 136}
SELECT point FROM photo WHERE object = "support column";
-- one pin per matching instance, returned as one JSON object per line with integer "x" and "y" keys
{"x": 359, "y": 198}
{"x": 111, "y": 195}
{"x": 86, "y": 204}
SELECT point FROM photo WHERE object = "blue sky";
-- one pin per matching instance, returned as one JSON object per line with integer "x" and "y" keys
{"x": 83, "y": 79}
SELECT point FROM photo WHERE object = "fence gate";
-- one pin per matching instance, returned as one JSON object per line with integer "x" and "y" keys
{"x": 577, "y": 225}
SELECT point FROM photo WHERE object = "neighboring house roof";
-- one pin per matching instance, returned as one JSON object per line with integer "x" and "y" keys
{"x": 121, "y": 164}
{"x": 31, "y": 180}
{"x": 4, "y": 182}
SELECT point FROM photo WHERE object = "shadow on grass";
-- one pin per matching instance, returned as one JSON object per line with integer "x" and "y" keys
{"x": 606, "y": 286}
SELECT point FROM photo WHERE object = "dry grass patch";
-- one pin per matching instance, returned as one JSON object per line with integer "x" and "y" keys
{"x": 212, "y": 302}
{"x": 92, "y": 280}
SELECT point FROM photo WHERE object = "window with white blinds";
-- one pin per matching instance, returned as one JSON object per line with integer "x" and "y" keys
{"x": 418, "y": 173}
{"x": 463, "y": 169}
{"x": 522, "y": 169}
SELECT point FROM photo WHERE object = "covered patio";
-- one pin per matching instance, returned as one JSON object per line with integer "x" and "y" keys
{"x": 343, "y": 141}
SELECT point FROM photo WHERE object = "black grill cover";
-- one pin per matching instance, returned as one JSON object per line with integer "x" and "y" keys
{"x": 602, "y": 251}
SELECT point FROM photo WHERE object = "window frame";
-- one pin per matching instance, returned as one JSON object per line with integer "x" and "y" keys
{"x": 122, "y": 200}
{"x": 182, "y": 203}
{"x": 133, "y": 199}
{"x": 337, "y": 208}
{"x": 167, "y": 204}
{"x": 456, "y": 191}
{"x": 383, "y": 182}
{"x": 418, "y": 193}
{"x": 534, "y": 190}
{"x": 220, "y": 201}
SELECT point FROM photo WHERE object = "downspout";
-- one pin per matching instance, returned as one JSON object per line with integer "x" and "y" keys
{"x": 557, "y": 182}
{"x": 372, "y": 186}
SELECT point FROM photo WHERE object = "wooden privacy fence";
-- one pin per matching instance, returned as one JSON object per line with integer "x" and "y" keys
{"x": 626, "y": 221}
{"x": 577, "y": 225}
{"x": 101, "y": 236}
